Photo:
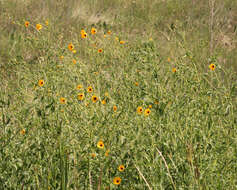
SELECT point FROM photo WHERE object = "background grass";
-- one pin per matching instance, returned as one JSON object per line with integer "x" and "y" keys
{"x": 193, "y": 111}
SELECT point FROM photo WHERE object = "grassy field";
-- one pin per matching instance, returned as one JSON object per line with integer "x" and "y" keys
{"x": 115, "y": 94}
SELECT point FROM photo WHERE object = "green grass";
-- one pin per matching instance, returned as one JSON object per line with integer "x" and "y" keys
{"x": 188, "y": 141}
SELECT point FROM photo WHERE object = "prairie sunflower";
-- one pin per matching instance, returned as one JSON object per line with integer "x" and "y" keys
{"x": 100, "y": 144}
{"x": 115, "y": 108}
{"x": 38, "y": 27}
{"x": 62, "y": 100}
{"x": 93, "y": 31}
{"x": 23, "y": 131}
{"x": 147, "y": 112}
{"x": 27, "y": 23}
{"x": 89, "y": 89}
{"x": 174, "y": 70}
{"x": 80, "y": 96}
{"x": 117, "y": 180}
{"x": 70, "y": 46}
{"x": 100, "y": 50}
{"x": 41, "y": 83}
{"x": 121, "y": 168}
{"x": 94, "y": 99}
{"x": 212, "y": 67}
{"x": 139, "y": 110}
{"x": 79, "y": 86}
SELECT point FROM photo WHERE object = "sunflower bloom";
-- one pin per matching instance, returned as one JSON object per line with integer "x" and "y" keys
{"x": 122, "y": 42}
{"x": 100, "y": 144}
{"x": 27, "y": 23}
{"x": 61, "y": 57}
{"x": 89, "y": 89}
{"x": 168, "y": 59}
{"x": 174, "y": 70}
{"x": 147, "y": 112}
{"x": 70, "y": 46}
{"x": 93, "y": 155}
{"x": 83, "y": 31}
{"x": 100, "y": 50}
{"x": 117, "y": 180}
{"x": 80, "y": 96}
{"x": 74, "y": 51}
{"x": 109, "y": 32}
{"x": 136, "y": 83}
{"x": 107, "y": 153}
{"x": 62, "y": 100}
{"x": 150, "y": 106}
{"x": 212, "y": 67}
{"x": 38, "y": 27}
{"x": 94, "y": 99}
{"x": 103, "y": 102}
{"x": 93, "y": 31}
{"x": 84, "y": 35}
{"x": 79, "y": 86}
{"x": 41, "y": 83}
{"x": 139, "y": 110}
{"x": 46, "y": 22}
{"x": 115, "y": 108}
{"x": 121, "y": 168}
{"x": 23, "y": 131}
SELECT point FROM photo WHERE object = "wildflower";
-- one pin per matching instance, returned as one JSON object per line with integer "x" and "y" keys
{"x": 93, "y": 31}
{"x": 61, "y": 57}
{"x": 168, "y": 59}
{"x": 212, "y": 67}
{"x": 109, "y": 32}
{"x": 100, "y": 50}
{"x": 89, "y": 89}
{"x": 62, "y": 100}
{"x": 100, "y": 144}
{"x": 147, "y": 112}
{"x": 150, "y": 106}
{"x": 107, "y": 153}
{"x": 174, "y": 70}
{"x": 105, "y": 36}
{"x": 79, "y": 86}
{"x": 27, "y": 23}
{"x": 122, "y": 42}
{"x": 115, "y": 108}
{"x": 41, "y": 82}
{"x": 116, "y": 38}
{"x": 117, "y": 180}
{"x": 23, "y": 131}
{"x": 103, "y": 102}
{"x": 83, "y": 31}
{"x": 38, "y": 27}
{"x": 84, "y": 35}
{"x": 136, "y": 83}
{"x": 46, "y": 22}
{"x": 80, "y": 96}
{"x": 74, "y": 61}
{"x": 94, "y": 99}
{"x": 93, "y": 155}
{"x": 70, "y": 46}
{"x": 106, "y": 94}
{"x": 74, "y": 51}
{"x": 139, "y": 110}
{"x": 121, "y": 168}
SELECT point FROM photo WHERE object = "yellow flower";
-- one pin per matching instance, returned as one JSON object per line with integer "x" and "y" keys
{"x": 115, "y": 108}
{"x": 23, "y": 131}
{"x": 100, "y": 50}
{"x": 150, "y": 106}
{"x": 100, "y": 144}
{"x": 116, "y": 38}
{"x": 74, "y": 51}
{"x": 136, "y": 83}
{"x": 105, "y": 36}
{"x": 79, "y": 86}
{"x": 168, "y": 59}
{"x": 83, "y": 31}
{"x": 61, "y": 57}
{"x": 147, "y": 112}
{"x": 109, "y": 32}
{"x": 212, "y": 67}
{"x": 103, "y": 102}
{"x": 38, "y": 27}
{"x": 93, "y": 31}
{"x": 117, "y": 180}
{"x": 121, "y": 168}
{"x": 27, "y": 23}
{"x": 174, "y": 70}
{"x": 46, "y": 22}
{"x": 106, "y": 94}
{"x": 41, "y": 82}
{"x": 93, "y": 155}
{"x": 74, "y": 61}
{"x": 70, "y": 46}
{"x": 94, "y": 99}
{"x": 139, "y": 110}
{"x": 84, "y": 35}
{"x": 107, "y": 153}
{"x": 90, "y": 89}
{"x": 122, "y": 42}
{"x": 80, "y": 96}
{"x": 62, "y": 100}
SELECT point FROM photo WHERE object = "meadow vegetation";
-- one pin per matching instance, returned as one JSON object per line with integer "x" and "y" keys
{"x": 115, "y": 94}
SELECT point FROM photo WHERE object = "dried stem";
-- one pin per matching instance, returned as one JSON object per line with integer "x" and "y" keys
{"x": 143, "y": 178}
